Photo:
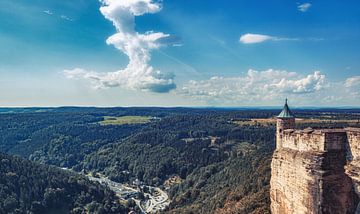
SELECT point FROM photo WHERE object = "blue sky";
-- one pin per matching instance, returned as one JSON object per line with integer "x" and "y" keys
{"x": 179, "y": 53}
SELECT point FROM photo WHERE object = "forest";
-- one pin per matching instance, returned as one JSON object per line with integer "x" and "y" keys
{"x": 222, "y": 166}
{"x": 27, "y": 187}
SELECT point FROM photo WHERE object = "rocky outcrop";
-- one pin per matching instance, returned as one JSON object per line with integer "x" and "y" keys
{"x": 353, "y": 157}
{"x": 305, "y": 182}
{"x": 316, "y": 171}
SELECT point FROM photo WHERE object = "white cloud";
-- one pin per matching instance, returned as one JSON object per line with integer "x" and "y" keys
{"x": 304, "y": 7}
{"x": 352, "y": 88}
{"x": 251, "y": 38}
{"x": 254, "y": 86}
{"x": 138, "y": 75}
{"x": 78, "y": 73}
{"x": 66, "y": 18}
{"x": 156, "y": 82}
{"x": 48, "y": 12}
{"x": 352, "y": 81}
{"x": 311, "y": 83}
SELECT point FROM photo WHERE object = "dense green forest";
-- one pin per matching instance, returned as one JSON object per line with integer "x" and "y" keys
{"x": 223, "y": 166}
{"x": 27, "y": 187}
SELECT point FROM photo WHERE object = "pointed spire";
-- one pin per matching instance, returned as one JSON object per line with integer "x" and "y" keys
{"x": 286, "y": 113}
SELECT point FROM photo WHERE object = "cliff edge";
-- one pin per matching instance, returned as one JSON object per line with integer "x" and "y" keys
{"x": 314, "y": 170}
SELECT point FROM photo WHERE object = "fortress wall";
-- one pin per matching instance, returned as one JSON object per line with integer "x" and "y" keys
{"x": 335, "y": 139}
{"x": 313, "y": 141}
{"x": 301, "y": 141}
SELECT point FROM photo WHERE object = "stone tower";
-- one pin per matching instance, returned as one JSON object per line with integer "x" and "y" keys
{"x": 285, "y": 120}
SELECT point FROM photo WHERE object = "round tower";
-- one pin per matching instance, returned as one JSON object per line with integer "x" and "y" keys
{"x": 285, "y": 120}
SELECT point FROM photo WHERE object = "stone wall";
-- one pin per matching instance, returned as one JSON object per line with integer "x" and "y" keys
{"x": 309, "y": 140}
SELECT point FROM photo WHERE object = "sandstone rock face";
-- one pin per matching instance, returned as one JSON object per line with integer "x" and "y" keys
{"x": 353, "y": 156}
{"x": 308, "y": 172}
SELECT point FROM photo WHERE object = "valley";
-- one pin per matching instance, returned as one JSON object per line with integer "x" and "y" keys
{"x": 149, "y": 199}
{"x": 184, "y": 161}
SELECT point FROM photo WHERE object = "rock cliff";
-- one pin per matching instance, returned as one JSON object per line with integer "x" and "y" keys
{"x": 315, "y": 171}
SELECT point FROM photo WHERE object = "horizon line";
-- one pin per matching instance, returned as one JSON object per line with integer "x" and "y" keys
{"x": 184, "y": 106}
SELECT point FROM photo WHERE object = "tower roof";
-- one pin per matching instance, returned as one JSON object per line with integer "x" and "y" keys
{"x": 286, "y": 113}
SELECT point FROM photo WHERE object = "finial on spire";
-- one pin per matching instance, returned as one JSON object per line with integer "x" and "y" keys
{"x": 286, "y": 113}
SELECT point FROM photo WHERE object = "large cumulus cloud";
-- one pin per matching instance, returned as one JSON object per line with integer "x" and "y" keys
{"x": 138, "y": 74}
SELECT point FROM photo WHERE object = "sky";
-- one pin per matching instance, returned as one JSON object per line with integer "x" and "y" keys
{"x": 229, "y": 53}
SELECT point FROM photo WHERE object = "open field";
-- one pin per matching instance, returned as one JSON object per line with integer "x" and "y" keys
{"x": 108, "y": 120}
{"x": 272, "y": 121}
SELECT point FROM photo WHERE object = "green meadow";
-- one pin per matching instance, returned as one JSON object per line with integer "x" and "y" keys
{"x": 109, "y": 120}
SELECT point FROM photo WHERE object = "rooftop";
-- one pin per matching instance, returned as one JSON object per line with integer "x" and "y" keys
{"x": 286, "y": 113}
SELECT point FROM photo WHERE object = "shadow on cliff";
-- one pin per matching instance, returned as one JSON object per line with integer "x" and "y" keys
{"x": 339, "y": 191}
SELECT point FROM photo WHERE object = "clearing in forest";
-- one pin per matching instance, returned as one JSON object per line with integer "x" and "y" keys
{"x": 110, "y": 120}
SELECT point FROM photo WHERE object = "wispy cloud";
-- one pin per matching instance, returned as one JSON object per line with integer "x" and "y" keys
{"x": 188, "y": 68}
{"x": 66, "y": 18}
{"x": 352, "y": 81}
{"x": 138, "y": 75}
{"x": 251, "y": 38}
{"x": 304, "y": 7}
{"x": 48, "y": 12}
